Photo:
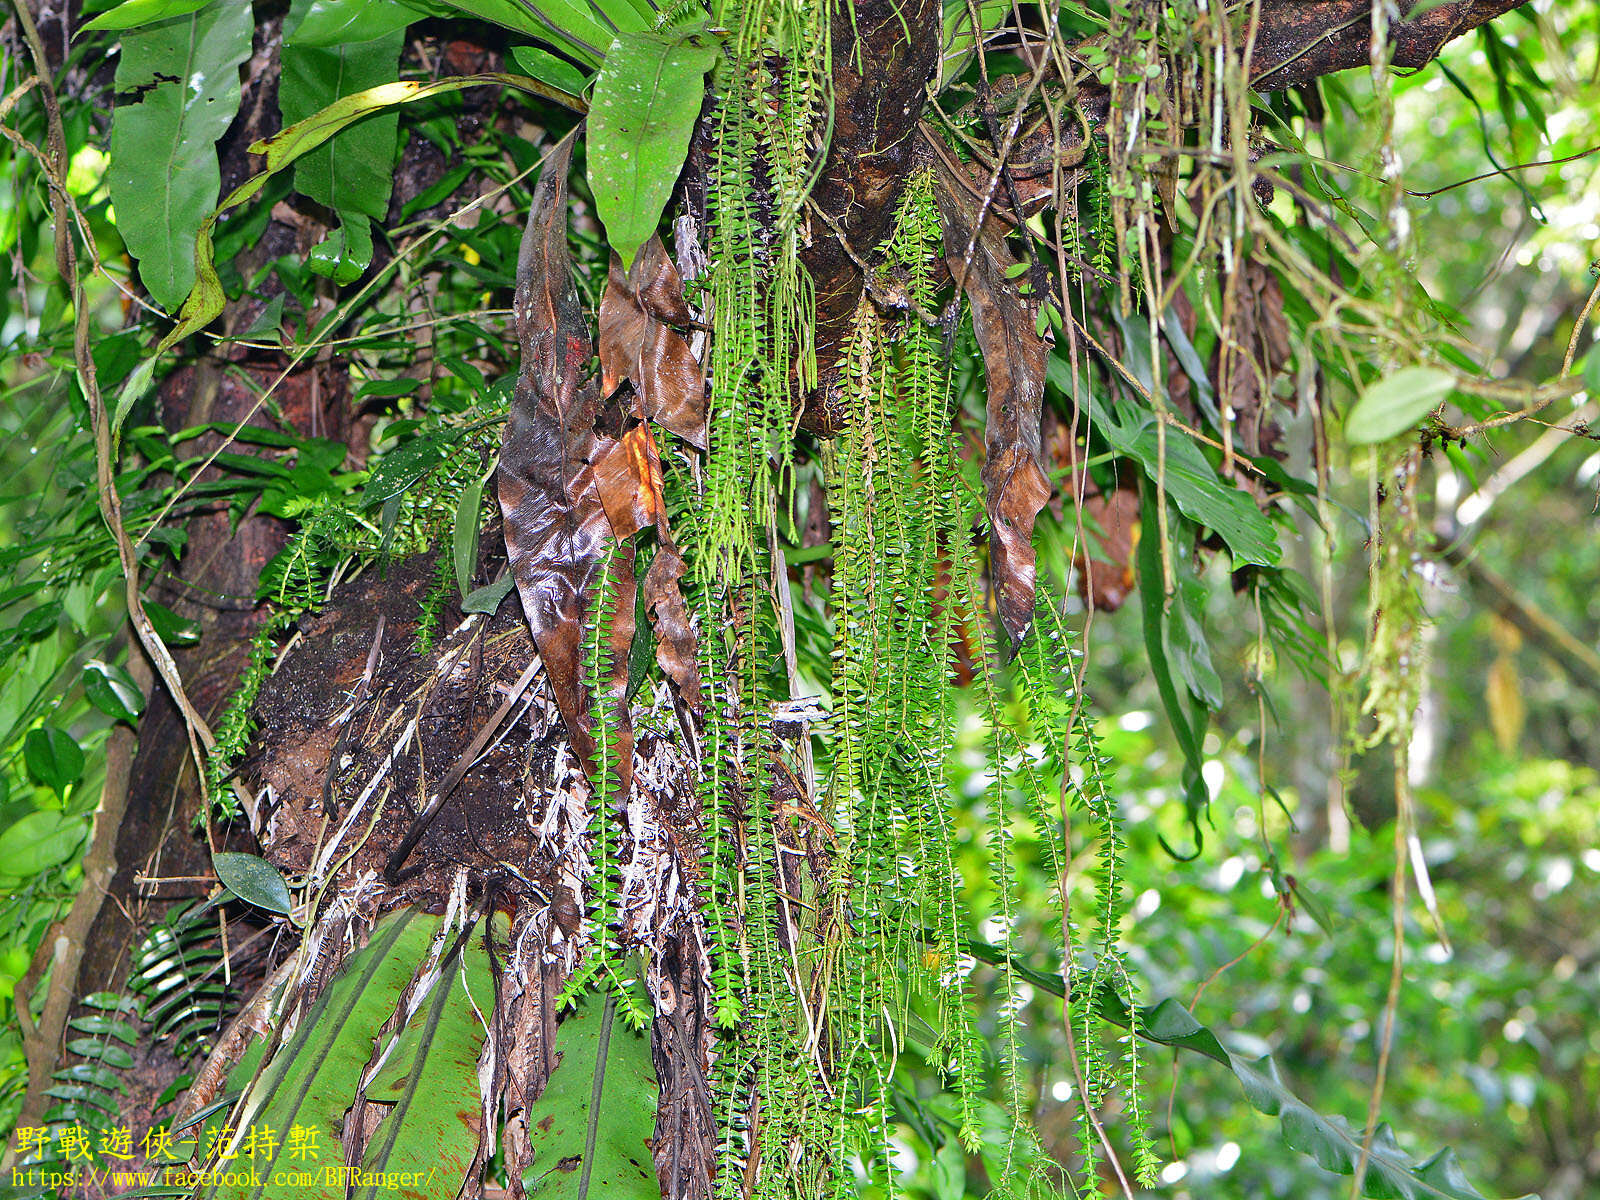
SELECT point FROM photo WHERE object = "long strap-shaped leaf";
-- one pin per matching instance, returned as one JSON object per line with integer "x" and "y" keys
{"x": 1331, "y": 1141}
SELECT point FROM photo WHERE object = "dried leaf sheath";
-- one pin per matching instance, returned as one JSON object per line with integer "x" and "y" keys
{"x": 555, "y": 525}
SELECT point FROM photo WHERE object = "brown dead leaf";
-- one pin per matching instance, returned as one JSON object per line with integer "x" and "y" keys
{"x": 628, "y": 472}
{"x": 1014, "y": 358}
{"x": 555, "y": 523}
{"x": 638, "y": 343}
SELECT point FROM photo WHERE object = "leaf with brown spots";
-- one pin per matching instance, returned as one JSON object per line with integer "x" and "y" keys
{"x": 638, "y": 343}
{"x": 1014, "y": 358}
{"x": 555, "y": 523}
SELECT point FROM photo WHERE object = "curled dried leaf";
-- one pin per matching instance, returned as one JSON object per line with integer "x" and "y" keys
{"x": 555, "y": 522}
{"x": 1014, "y": 359}
{"x": 638, "y": 343}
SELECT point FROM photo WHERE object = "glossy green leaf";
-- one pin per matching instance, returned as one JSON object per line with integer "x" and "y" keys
{"x": 253, "y": 879}
{"x": 53, "y": 758}
{"x": 133, "y": 13}
{"x": 104, "y": 1026}
{"x": 40, "y": 840}
{"x": 333, "y": 23}
{"x": 431, "y": 1079}
{"x": 1395, "y": 403}
{"x": 179, "y": 86}
{"x": 169, "y": 626}
{"x": 112, "y": 690}
{"x": 549, "y": 68}
{"x": 406, "y": 463}
{"x": 602, "y": 1095}
{"x": 570, "y": 24}
{"x": 646, "y": 99}
{"x": 352, "y": 172}
{"x": 109, "y": 1053}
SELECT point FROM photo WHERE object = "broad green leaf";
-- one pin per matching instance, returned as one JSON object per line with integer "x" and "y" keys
{"x": 312, "y": 1080}
{"x": 39, "y": 841}
{"x": 408, "y": 462}
{"x": 602, "y": 1094}
{"x": 169, "y": 626}
{"x": 1395, "y": 403}
{"x": 431, "y": 1079}
{"x": 333, "y": 23}
{"x": 569, "y": 24}
{"x": 112, "y": 690}
{"x": 1591, "y": 371}
{"x": 284, "y": 148}
{"x": 646, "y": 99}
{"x": 133, "y": 13}
{"x": 180, "y": 78}
{"x": 53, "y": 758}
{"x": 346, "y": 252}
{"x": 253, "y": 879}
{"x": 353, "y": 172}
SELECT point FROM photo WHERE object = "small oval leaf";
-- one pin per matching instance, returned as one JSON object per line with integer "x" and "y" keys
{"x": 53, "y": 758}
{"x": 253, "y": 879}
{"x": 1395, "y": 403}
{"x": 112, "y": 690}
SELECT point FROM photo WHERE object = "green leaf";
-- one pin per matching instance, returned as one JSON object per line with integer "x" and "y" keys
{"x": 333, "y": 23}
{"x": 464, "y": 539}
{"x": 132, "y": 13}
{"x": 487, "y": 598}
{"x": 1331, "y": 1141}
{"x": 53, "y": 758}
{"x": 254, "y": 880}
{"x": 114, "y": 1056}
{"x": 570, "y": 24}
{"x": 353, "y": 172}
{"x": 112, "y": 690}
{"x": 104, "y": 1026}
{"x": 646, "y": 99}
{"x": 169, "y": 626}
{"x": 431, "y": 1079}
{"x": 313, "y": 1078}
{"x": 1591, "y": 371}
{"x": 40, "y": 840}
{"x": 1395, "y": 403}
{"x": 346, "y": 252}
{"x": 207, "y": 298}
{"x": 591, "y": 1129}
{"x": 182, "y": 75}
{"x": 548, "y": 68}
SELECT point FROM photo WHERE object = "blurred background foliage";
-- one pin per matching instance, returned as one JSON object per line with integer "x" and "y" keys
{"x": 1497, "y": 1049}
